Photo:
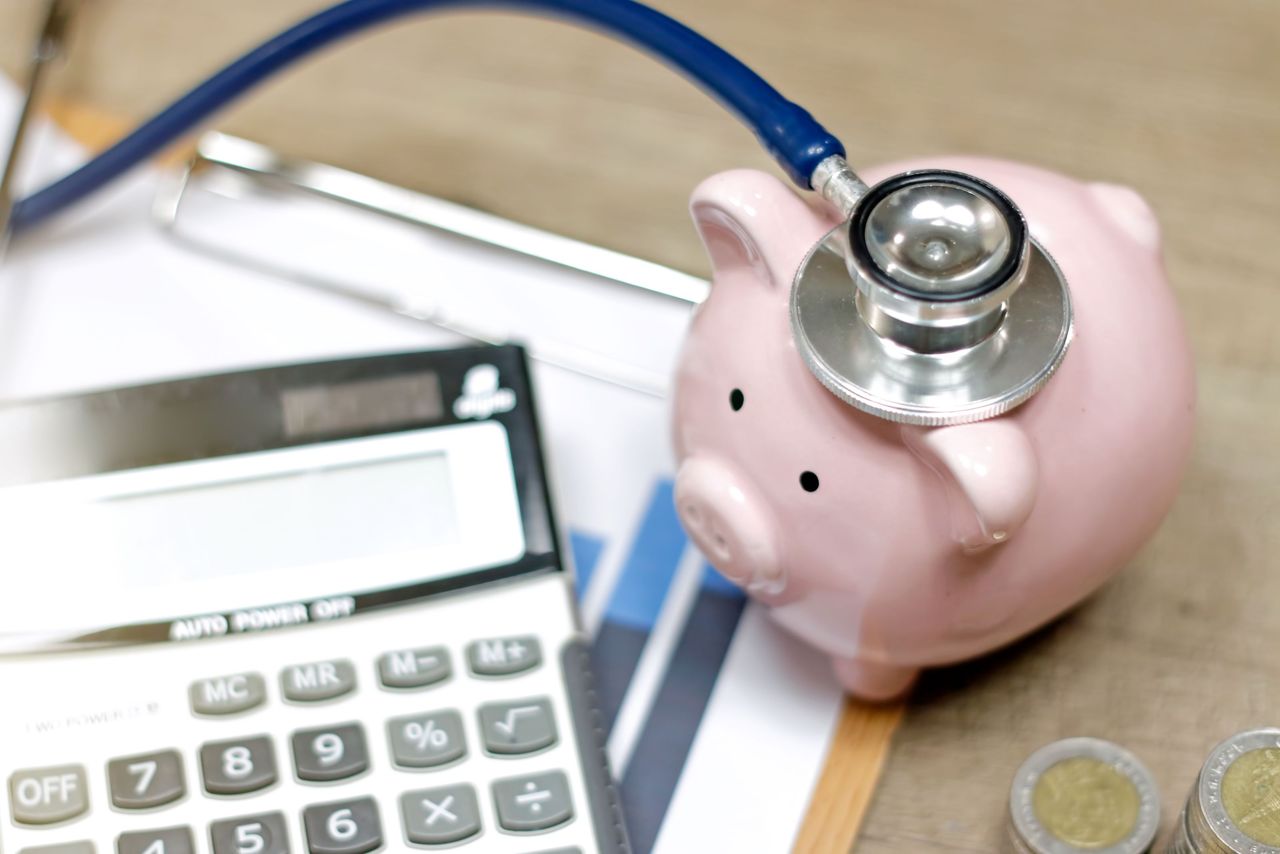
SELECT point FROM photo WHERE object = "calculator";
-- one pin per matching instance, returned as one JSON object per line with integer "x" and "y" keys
{"x": 315, "y": 608}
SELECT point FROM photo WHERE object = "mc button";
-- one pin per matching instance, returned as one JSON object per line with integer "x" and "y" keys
{"x": 226, "y": 695}
{"x": 48, "y": 795}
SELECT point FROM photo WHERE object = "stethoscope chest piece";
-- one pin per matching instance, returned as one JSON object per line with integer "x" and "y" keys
{"x": 932, "y": 304}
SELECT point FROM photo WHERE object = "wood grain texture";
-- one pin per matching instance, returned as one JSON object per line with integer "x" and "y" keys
{"x": 838, "y": 804}
{"x": 1178, "y": 98}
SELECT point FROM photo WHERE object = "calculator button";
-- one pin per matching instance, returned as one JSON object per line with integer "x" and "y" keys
{"x": 522, "y": 726}
{"x": 426, "y": 740}
{"x": 317, "y": 681}
{"x": 414, "y": 668}
{"x": 146, "y": 780}
{"x": 533, "y": 802}
{"x": 345, "y": 827}
{"x": 504, "y": 656}
{"x": 84, "y": 847}
{"x": 226, "y": 695}
{"x": 47, "y": 795}
{"x": 170, "y": 840}
{"x": 250, "y": 834}
{"x": 440, "y": 816}
{"x": 329, "y": 753}
{"x": 238, "y": 766}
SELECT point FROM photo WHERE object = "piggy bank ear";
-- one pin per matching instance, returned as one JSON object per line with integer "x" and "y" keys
{"x": 754, "y": 226}
{"x": 990, "y": 473}
{"x": 1130, "y": 212}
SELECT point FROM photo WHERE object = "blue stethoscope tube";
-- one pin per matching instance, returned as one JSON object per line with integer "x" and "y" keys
{"x": 788, "y": 132}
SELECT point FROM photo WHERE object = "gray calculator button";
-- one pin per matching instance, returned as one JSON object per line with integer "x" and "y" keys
{"x": 521, "y": 726}
{"x": 533, "y": 802}
{"x": 344, "y": 827}
{"x": 237, "y": 766}
{"x": 317, "y": 681}
{"x": 226, "y": 695}
{"x": 427, "y": 739}
{"x": 146, "y": 780}
{"x": 169, "y": 840}
{"x": 251, "y": 834}
{"x": 504, "y": 656}
{"x": 330, "y": 753}
{"x": 84, "y": 847}
{"x": 440, "y": 816}
{"x": 47, "y": 795}
{"x": 414, "y": 668}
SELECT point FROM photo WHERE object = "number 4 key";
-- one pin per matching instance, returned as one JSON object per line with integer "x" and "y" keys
{"x": 170, "y": 840}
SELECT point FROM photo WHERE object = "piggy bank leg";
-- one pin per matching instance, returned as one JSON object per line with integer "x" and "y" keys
{"x": 869, "y": 680}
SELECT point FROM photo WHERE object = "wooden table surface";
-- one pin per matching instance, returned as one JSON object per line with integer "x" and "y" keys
{"x": 563, "y": 130}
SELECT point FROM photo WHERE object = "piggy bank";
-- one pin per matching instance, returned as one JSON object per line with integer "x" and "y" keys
{"x": 892, "y": 547}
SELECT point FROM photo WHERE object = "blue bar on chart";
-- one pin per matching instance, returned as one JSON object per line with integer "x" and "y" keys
{"x": 681, "y": 698}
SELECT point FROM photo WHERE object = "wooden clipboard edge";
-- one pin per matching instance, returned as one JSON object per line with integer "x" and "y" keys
{"x": 855, "y": 759}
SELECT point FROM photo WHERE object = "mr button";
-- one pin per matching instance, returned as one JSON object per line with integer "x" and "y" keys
{"x": 48, "y": 795}
{"x": 504, "y": 656}
{"x": 317, "y": 681}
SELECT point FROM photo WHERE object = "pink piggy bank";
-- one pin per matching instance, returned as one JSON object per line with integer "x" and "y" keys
{"x": 892, "y": 547}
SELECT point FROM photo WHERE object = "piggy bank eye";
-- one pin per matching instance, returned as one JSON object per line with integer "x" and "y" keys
{"x": 809, "y": 481}
{"x": 736, "y": 399}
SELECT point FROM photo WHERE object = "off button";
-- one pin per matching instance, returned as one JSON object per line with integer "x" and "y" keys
{"x": 48, "y": 795}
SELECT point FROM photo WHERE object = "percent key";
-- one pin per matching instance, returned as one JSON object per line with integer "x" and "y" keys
{"x": 426, "y": 740}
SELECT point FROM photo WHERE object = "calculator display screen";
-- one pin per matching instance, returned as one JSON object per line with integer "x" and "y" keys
{"x": 243, "y": 525}
{"x": 261, "y": 536}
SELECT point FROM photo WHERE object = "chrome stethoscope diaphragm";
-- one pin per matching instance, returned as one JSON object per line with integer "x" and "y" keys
{"x": 931, "y": 304}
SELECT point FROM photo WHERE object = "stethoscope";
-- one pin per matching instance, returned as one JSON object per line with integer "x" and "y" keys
{"x": 929, "y": 304}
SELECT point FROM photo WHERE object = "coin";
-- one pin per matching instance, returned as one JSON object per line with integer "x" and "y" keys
{"x": 1251, "y": 794}
{"x": 1235, "y": 805}
{"x": 1083, "y": 795}
{"x": 1086, "y": 802}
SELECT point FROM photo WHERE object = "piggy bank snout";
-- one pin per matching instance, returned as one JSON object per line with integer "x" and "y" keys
{"x": 729, "y": 523}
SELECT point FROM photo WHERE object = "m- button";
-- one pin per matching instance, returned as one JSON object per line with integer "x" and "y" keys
{"x": 504, "y": 656}
{"x": 226, "y": 695}
{"x": 414, "y": 668}
{"x": 48, "y": 795}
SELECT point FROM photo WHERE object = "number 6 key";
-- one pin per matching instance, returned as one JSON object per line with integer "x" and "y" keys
{"x": 343, "y": 827}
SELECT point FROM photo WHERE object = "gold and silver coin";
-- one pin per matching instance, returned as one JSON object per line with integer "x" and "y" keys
{"x": 1083, "y": 795}
{"x": 1234, "y": 807}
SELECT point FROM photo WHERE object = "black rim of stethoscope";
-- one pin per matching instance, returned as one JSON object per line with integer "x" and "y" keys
{"x": 867, "y": 265}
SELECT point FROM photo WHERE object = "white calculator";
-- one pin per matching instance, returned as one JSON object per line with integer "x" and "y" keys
{"x": 318, "y": 608}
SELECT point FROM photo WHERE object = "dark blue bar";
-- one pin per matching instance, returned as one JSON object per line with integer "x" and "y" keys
{"x": 614, "y": 656}
{"x": 660, "y": 754}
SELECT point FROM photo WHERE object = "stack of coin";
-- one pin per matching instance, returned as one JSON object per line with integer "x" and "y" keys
{"x": 1234, "y": 807}
{"x": 1083, "y": 795}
